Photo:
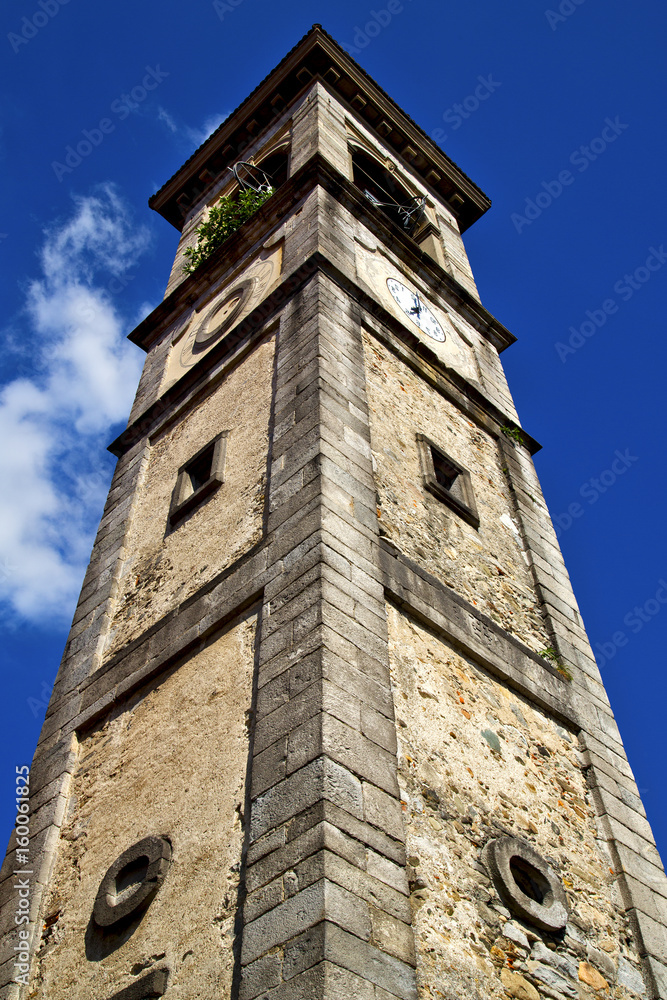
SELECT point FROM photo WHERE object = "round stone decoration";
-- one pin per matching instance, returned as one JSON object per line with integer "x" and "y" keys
{"x": 132, "y": 881}
{"x": 224, "y": 314}
{"x": 528, "y": 886}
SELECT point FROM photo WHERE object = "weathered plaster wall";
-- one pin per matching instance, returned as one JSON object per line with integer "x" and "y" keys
{"x": 161, "y": 570}
{"x": 486, "y": 566}
{"x": 171, "y": 762}
{"x": 478, "y": 762}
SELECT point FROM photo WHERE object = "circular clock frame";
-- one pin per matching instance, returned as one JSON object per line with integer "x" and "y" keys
{"x": 207, "y": 332}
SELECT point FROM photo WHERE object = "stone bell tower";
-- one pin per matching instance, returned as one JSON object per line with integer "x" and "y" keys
{"x": 328, "y": 724}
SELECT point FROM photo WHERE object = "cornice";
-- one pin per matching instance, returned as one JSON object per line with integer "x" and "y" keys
{"x": 229, "y": 352}
{"x": 319, "y": 57}
{"x": 318, "y": 170}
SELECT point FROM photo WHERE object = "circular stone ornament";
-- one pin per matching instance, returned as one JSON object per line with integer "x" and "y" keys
{"x": 526, "y": 883}
{"x": 132, "y": 881}
{"x": 223, "y": 315}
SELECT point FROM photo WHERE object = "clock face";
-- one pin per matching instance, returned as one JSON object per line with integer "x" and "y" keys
{"x": 415, "y": 309}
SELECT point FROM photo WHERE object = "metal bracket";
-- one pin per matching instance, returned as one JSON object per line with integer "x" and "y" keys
{"x": 256, "y": 179}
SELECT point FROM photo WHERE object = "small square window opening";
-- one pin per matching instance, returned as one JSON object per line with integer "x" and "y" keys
{"x": 199, "y": 470}
{"x": 447, "y": 480}
{"x": 445, "y": 472}
{"x": 198, "y": 479}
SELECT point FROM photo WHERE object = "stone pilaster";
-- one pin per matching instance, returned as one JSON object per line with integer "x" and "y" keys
{"x": 327, "y": 912}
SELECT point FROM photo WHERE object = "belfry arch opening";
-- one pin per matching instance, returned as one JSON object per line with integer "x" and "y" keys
{"x": 257, "y": 176}
{"x": 275, "y": 166}
{"x": 386, "y": 192}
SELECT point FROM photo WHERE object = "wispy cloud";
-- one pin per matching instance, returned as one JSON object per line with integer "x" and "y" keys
{"x": 193, "y": 136}
{"x": 55, "y": 420}
{"x": 208, "y": 127}
{"x": 166, "y": 119}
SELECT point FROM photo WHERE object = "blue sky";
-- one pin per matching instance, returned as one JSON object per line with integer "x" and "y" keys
{"x": 568, "y": 141}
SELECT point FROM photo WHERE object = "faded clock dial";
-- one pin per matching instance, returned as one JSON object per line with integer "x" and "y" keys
{"x": 416, "y": 309}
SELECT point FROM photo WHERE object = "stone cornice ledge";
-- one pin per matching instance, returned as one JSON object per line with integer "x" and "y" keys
{"x": 429, "y": 600}
{"x": 318, "y": 57}
{"x": 317, "y": 170}
{"x": 232, "y": 348}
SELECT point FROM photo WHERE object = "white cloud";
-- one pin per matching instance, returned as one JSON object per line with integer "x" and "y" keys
{"x": 55, "y": 422}
{"x": 194, "y": 136}
{"x": 165, "y": 117}
{"x": 199, "y": 135}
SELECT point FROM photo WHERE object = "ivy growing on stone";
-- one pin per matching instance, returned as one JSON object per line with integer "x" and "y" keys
{"x": 223, "y": 220}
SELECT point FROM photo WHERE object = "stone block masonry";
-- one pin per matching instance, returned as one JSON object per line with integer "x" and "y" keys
{"x": 327, "y": 899}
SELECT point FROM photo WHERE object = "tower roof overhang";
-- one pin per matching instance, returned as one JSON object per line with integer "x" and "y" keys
{"x": 319, "y": 57}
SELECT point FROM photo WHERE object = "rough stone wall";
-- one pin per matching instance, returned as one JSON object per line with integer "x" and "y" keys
{"x": 486, "y": 566}
{"x": 165, "y": 568}
{"x": 169, "y": 762}
{"x": 477, "y": 761}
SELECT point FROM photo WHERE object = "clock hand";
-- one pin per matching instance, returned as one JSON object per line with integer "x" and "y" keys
{"x": 418, "y": 308}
